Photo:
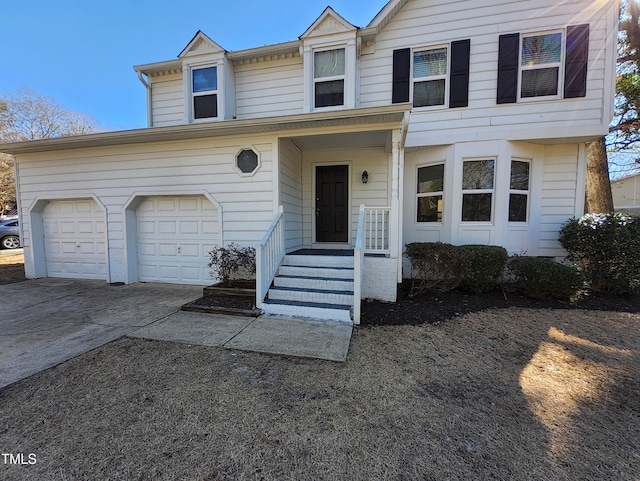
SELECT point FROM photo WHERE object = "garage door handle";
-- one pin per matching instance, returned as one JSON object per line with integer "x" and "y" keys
{"x": 179, "y": 248}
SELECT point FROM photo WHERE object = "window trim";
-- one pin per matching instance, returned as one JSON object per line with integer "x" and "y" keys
{"x": 237, "y": 168}
{"x": 491, "y": 191}
{"x": 190, "y": 94}
{"x": 519, "y": 192}
{"x": 560, "y": 65}
{"x": 445, "y": 76}
{"x": 342, "y": 77}
{"x": 419, "y": 195}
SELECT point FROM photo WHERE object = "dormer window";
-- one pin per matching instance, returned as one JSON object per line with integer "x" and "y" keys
{"x": 329, "y": 77}
{"x": 205, "y": 92}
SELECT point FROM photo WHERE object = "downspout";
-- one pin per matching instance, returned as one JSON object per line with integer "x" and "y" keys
{"x": 148, "y": 87}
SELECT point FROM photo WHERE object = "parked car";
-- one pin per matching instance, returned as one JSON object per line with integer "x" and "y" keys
{"x": 9, "y": 234}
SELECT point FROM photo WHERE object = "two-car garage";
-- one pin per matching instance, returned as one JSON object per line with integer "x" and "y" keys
{"x": 169, "y": 238}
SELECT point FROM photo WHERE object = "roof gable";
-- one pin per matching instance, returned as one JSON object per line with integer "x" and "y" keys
{"x": 328, "y": 23}
{"x": 200, "y": 44}
{"x": 387, "y": 13}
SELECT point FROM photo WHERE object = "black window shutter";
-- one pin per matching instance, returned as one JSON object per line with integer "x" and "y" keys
{"x": 459, "y": 86}
{"x": 508, "y": 52}
{"x": 575, "y": 67}
{"x": 401, "y": 72}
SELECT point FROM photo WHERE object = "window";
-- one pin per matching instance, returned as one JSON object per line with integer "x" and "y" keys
{"x": 519, "y": 191}
{"x": 543, "y": 65}
{"x": 329, "y": 77}
{"x": 477, "y": 190}
{"x": 429, "y": 77}
{"x": 430, "y": 190}
{"x": 540, "y": 63}
{"x": 247, "y": 162}
{"x": 204, "y": 89}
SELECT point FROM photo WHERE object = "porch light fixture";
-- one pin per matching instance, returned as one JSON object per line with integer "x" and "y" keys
{"x": 365, "y": 177}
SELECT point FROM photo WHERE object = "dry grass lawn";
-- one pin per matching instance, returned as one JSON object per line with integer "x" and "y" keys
{"x": 511, "y": 394}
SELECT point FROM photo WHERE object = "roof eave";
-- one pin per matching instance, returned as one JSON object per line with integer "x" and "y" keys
{"x": 366, "y": 117}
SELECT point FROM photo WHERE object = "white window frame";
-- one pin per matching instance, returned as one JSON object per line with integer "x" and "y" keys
{"x": 491, "y": 191}
{"x": 519, "y": 191}
{"x": 429, "y": 194}
{"x": 559, "y": 65}
{"x": 316, "y": 80}
{"x": 444, "y": 76}
{"x": 193, "y": 95}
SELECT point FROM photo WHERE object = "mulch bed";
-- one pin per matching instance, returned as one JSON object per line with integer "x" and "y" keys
{"x": 438, "y": 307}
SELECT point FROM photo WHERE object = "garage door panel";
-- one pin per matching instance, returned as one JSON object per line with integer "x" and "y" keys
{"x": 175, "y": 235}
{"x": 74, "y": 239}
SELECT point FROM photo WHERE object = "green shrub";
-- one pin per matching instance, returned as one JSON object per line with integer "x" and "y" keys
{"x": 436, "y": 266}
{"x": 485, "y": 268}
{"x": 232, "y": 262}
{"x": 542, "y": 278}
{"x": 606, "y": 247}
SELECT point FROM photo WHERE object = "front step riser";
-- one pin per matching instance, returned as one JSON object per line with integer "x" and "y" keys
{"x": 315, "y": 261}
{"x": 306, "y": 283}
{"x": 316, "y": 272}
{"x": 318, "y": 297}
{"x": 310, "y": 312}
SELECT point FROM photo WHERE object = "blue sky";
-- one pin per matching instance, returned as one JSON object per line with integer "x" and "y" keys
{"x": 81, "y": 52}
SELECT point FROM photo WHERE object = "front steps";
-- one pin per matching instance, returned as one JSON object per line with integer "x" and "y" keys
{"x": 314, "y": 286}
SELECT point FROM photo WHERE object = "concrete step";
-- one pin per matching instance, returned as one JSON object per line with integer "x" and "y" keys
{"x": 313, "y": 310}
{"x": 305, "y": 282}
{"x": 321, "y": 296}
{"x": 316, "y": 271}
{"x": 313, "y": 261}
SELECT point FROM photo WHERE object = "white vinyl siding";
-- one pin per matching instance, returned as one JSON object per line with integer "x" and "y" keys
{"x": 167, "y": 100}
{"x": 559, "y": 195}
{"x": 422, "y": 23}
{"x": 115, "y": 175}
{"x": 270, "y": 88}
{"x": 291, "y": 193}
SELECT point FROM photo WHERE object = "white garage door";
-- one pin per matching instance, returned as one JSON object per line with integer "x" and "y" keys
{"x": 175, "y": 235}
{"x": 75, "y": 239}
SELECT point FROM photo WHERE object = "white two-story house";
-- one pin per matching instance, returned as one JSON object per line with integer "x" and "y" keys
{"x": 460, "y": 121}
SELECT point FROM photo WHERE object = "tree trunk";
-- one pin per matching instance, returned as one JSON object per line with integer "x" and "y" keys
{"x": 598, "y": 198}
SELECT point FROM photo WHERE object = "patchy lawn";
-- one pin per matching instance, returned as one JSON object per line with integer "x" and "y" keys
{"x": 506, "y": 394}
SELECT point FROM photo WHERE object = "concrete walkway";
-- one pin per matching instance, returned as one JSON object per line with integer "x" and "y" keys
{"x": 47, "y": 321}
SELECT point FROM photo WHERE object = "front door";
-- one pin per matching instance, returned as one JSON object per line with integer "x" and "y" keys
{"x": 332, "y": 203}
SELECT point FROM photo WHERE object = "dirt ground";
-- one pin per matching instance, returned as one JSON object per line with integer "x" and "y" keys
{"x": 508, "y": 393}
{"x": 11, "y": 268}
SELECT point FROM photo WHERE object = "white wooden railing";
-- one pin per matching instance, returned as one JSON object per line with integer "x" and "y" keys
{"x": 269, "y": 255}
{"x": 358, "y": 265}
{"x": 376, "y": 230}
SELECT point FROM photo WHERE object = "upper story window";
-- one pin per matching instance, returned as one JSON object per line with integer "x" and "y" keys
{"x": 433, "y": 76}
{"x": 429, "y": 77}
{"x": 540, "y": 65}
{"x": 329, "y": 77}
{"x": 204, "y": 92}
{"x": 544, "y": 65}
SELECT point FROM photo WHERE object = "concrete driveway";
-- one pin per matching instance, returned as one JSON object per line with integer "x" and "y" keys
{"x": 47, "y": 321}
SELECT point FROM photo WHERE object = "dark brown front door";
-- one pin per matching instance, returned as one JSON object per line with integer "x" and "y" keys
{"x": 332, "y": 203}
